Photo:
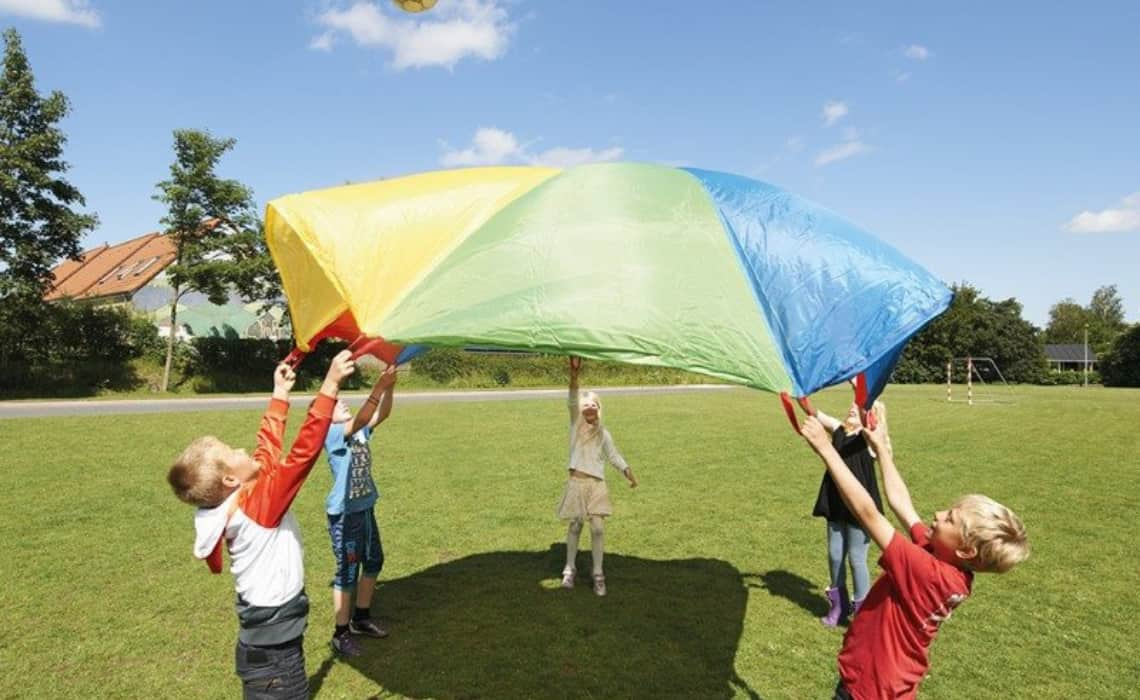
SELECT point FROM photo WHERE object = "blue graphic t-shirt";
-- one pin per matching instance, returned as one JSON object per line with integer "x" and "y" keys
{"x": 350, "y": 460}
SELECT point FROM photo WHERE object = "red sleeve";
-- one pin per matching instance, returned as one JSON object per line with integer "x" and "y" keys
{"x": 214, "y": 560}
{"x": 278, "y": 482}
{"x": 271, "y": 433}
{"x": 912, "y": 569}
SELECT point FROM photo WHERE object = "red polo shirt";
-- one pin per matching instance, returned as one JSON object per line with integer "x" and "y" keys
{"x": 885, "y": 651}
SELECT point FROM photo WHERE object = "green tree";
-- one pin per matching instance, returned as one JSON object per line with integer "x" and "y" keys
{"x": 1106, "y": 317}
{"x": 979, "y": 327}
{"x": 1103, "y": 318}
{"x": 1067, "y": 321}
{"x": 38, "y": 223}
{"x": 1120, "y": 366}
{"x": 216, "y": 232}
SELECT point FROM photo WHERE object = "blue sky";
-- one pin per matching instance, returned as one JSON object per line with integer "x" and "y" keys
{"x": 993, "y": 142}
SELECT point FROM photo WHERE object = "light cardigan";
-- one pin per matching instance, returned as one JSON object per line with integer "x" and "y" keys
{"x": 590, "y": 456}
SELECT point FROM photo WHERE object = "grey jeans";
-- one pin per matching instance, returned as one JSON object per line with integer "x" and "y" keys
{"x": 272, "y": 673}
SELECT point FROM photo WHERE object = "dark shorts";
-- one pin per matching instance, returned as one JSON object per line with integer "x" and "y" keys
{"x": 356, "y": 545}
{"x": 841, "y": 692}
{"x": 272, "y": 673}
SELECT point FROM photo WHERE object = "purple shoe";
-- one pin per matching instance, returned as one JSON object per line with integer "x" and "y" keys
{"x": 835, "y": 596}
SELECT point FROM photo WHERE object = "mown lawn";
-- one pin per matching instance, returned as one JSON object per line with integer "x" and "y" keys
{"x": 715, "y": 566}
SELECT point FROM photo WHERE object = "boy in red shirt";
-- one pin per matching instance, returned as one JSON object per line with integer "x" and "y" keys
{"x": 884, "y": 653}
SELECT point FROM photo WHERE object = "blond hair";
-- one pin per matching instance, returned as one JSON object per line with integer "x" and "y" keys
{"x": 196, "y": 476}
{"x": 994, "y": 531}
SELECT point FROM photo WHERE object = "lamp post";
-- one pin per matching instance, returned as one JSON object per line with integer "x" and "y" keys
{"x": 1086, "y": 385}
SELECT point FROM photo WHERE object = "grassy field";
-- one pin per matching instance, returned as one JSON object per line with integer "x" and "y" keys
{"x": 715, "y": 567}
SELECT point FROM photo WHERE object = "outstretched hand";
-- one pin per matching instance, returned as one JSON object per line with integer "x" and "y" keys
{"x": 341, "y": 367}
{"x": 283, "y": 379}
{"x": 815, "y": 434}
{"x": 876, "y": 437}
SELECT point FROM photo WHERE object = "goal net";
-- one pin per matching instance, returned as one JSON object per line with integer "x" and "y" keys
{"x": 972, "y": 380}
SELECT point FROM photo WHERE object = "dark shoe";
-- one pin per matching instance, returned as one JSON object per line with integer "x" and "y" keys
{"x": 368, "y": 628}
{"x": 346, "y": 646}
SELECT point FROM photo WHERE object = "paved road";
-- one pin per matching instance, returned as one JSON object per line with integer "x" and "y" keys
{"x": 45, "y": 409}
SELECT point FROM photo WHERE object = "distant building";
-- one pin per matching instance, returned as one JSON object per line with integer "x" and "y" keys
{"x": 1069, "y": 357}
{"x": 132, "y": 274}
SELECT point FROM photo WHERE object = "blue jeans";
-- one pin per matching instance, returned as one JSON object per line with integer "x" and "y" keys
{"x": 356, "y": 545}
{"x": 848, "y": 541}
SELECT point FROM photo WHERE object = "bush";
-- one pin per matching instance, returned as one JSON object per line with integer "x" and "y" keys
{"x": 1069, "y": 377}
{"x": 234, "y": 365}
{"x": 442, "y": 365}
{"x": 69, "y": 349}
{"x": 1121, "y": 365}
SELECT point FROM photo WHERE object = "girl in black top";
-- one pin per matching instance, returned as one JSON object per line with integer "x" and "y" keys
{"x": 846, "y": 540}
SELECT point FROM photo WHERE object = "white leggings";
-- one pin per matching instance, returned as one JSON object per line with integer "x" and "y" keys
{"x": 597, "y": 542}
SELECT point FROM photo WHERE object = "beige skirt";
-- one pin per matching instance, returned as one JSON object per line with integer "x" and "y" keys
{"x": 584, "y": 498}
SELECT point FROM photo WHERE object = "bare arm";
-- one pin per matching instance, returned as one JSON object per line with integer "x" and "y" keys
{"x": 898, "y": 495}
{"x": 854, "y": 495}
{"x": 572, "y": 399}
{"x": 369, "y": 414}
{"x": 828, "y": 422}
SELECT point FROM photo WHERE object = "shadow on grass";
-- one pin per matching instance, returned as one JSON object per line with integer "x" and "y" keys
{"x": 497, "y": 625}
{"x": 791, "y": 586}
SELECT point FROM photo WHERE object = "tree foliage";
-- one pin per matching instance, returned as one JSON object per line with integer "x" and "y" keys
{"x": 38, "y": 222}
{"x": 975, "y": 326}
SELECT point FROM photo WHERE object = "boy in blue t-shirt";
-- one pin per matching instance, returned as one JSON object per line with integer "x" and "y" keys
{"x": 352, "y": 521}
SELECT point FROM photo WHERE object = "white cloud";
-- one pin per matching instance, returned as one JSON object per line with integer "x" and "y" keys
{"x": 492, "y": 146}
{"x": 902, "y": 76}
{"x": 843, "y": 151}
{"x": 1122, "y": 220}
{"x": 66, "y": 11}
{"x": 794, "y": 144}
{"x": 833, "y": 112}
{"x": 447, "y": 34}
{"x": 562, "y": 157}
{"x": 323, "y": 42}
{"x": 917, "y": 52}
{"x": 488, "y": 147}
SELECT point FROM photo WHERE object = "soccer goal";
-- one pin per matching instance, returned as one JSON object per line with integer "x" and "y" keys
{"x": 978, "y": 380}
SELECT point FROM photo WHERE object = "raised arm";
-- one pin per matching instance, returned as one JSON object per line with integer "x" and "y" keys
{"x": 854, "y": 495}
{"x": 277, "y": 483}
{"x": 572, "y": 399}
{"x": 898, "y": 495}
{"x": 378, "y": 406}
{"x": 272, "y": 431}
{"x": 828, "y": 422}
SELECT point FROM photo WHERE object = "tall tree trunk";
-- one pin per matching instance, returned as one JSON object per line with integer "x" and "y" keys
{"x": 170, "y": 340}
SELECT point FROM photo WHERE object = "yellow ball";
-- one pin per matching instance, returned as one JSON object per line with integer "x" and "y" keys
{"x": 414, "y": 5}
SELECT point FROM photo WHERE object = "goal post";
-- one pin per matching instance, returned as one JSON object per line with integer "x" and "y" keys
{"x": 982, "y": 379}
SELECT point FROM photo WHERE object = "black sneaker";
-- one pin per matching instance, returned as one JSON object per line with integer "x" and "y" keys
{"x": 344, "y": 645}
{"x": 368, "y": 628}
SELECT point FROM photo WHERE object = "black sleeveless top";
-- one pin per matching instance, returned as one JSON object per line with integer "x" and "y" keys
{"x": 853, "y": 450}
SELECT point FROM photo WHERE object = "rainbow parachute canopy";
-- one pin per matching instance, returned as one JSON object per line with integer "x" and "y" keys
{"x": 678, "y": 267}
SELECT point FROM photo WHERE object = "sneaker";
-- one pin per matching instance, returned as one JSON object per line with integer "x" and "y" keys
{"x": 599, "y": 584}
{"x": 368, "y": 628}
{"x": 568, "y": 578}
{"x": 346, "y": 646}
